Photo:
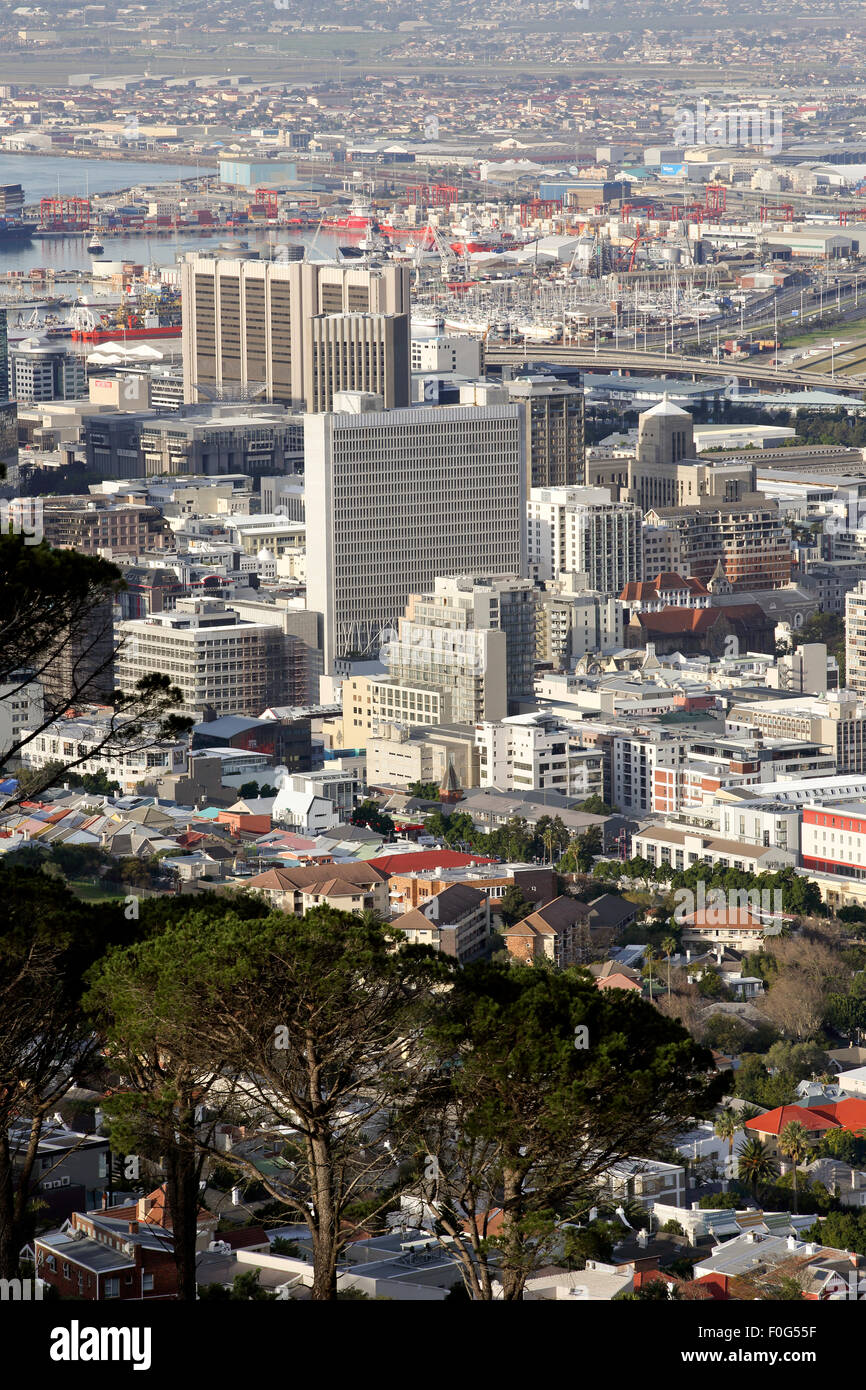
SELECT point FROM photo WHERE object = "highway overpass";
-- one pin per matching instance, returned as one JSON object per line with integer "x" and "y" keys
{"x": 655, "y": 364}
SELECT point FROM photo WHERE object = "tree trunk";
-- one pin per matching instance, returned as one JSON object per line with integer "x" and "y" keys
{"x": 325, "y": 1232}
{"x": 9, "y": 1243}
{"x": 181, "y": 1195}
{"x": 513, "y": 1256}
{"x": 15, "y": 1226}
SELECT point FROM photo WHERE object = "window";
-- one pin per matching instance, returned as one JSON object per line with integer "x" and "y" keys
{"x": 147, "y": 1283}
{"x": 112, "y": 1288}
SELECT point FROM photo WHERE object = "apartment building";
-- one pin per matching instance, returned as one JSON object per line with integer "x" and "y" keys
{"x": 214, "y": 657}
{"x": 836, "y": 722}
{"x": 557, "y": 932}
{"x": 441, "y": 675}
{"x": 20, "y": 708}
{"x": 693, "y": 777}
{"x": 455, "y": 921}
{"x": 535, "y": 751}
{"x": 453, "y": 354}
{"x": 45, "y": 371}
{"x": 855, "y": 639}
{"x": 747, "y": 541}
{"x": 94, "y": 525}
{"x": 572, "y": 621}
{"x": 84, "y": 738}
{"x": 581, "y": 531}
{"x": 507, "y": 605}
{"x": 400, "y": 754}
{"x": 396, "y": 498}
{"x": 554, "y": 424}
{"x": 295, "y": 332}
{"x": 681, "y": 848}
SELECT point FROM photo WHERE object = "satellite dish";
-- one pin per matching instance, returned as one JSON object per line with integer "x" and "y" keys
{"x": 573, "y": 170}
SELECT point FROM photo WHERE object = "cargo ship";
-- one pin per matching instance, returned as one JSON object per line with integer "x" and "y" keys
{"x": 358, "y": 221}
{"x": 11, "y": 230}
{"x": 115, "y": 335}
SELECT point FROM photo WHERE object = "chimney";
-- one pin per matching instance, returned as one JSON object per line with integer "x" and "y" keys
{"x": 104, "y": 1201}
{"x": 133, "y": 1228}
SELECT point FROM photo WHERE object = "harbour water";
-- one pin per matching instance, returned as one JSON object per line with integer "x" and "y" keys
{"x": 50, "y": 176}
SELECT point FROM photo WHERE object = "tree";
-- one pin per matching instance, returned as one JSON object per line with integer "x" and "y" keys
{"x": 245, "y": 1287}
{"x": 650, "y": 958}
{"x": 320, "y": 1016}
{"x": 794, "y": 1144}
{"x": 248, "y": 789}
{"x": 424, "y": 791}
{"x": 368, "y": 813}
{"x": 725, "y": 1127}
{"x": 595, "y": 806}
{"x": 48, "y": 939}
{"x": 513, "y": 906}
{"x": 799, "y": 1061}
{"x": 57, "y": 616}
{"x": 755, "y": 1164}
{"x": 582, "y": 851}
{"x": 148, "y": 1001}
{"x": 592, "y": 1242}
{"x": 669, "y": 948}
{"x": 537, "y": 1083}
{"x": 727, "y": 1034}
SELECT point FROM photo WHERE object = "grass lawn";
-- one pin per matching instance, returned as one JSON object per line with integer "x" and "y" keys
{"x": 96, "y": 892}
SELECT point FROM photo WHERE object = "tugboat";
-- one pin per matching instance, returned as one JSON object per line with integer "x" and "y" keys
{"x": 95, "y": 246}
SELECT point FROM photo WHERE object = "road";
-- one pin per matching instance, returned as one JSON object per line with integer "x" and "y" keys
{"x": 613, "y": 359}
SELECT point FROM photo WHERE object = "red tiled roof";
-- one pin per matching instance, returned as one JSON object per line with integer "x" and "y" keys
{"x": 775, "y": 1120}
{"x": 617, "y": 982}
{"x": 424, "y": 860}
{"x": 680, "y": 620}
{"x": 725, "y": 917}
{"x": 849, "y": 1113}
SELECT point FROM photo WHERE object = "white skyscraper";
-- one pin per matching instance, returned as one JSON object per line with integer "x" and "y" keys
{"x": 395, "y": 499}
{"x": 581, "y": 531}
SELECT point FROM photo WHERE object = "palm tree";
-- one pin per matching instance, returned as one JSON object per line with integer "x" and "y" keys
{"x": 794, "y": 1144}
{"x": 725, "y": 1127}
{"x": 669, "y": 946}
{"x": 755, "y": 1164}
{"x": 549, "y": 838}
{"x": 649, "y": 960}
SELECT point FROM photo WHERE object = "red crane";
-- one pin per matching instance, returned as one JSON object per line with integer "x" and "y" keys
{"x": 768, "y": 210}
{"x": 716, "y": 199}
{"x": 64, "y": 214}
{"x": 539, "y": 207}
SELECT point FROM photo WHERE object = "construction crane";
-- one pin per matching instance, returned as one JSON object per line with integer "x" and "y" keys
{"x": 448, "y": 259}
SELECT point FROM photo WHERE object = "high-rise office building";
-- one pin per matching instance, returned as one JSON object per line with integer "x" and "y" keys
{"x": 214, "y": 657}
{"x": 855, "y": 639}
{"x": 395, "y": 499}
{"x": 555, "y": 454}
{"x": 4, "y": 356}
{"x": 294, "y": 333}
